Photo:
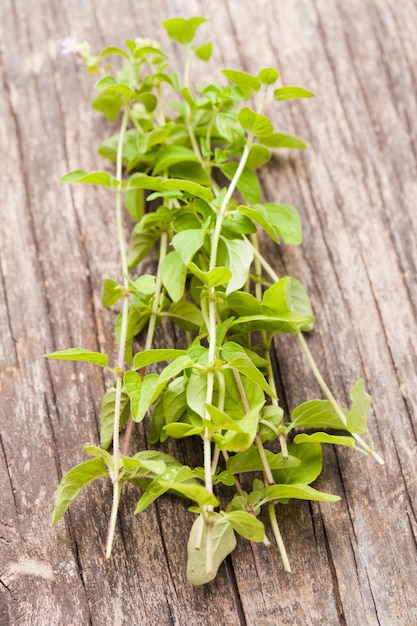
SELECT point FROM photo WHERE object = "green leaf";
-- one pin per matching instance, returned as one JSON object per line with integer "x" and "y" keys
{"x": 213, "y": 278}
{"x": 221, "y": 420}
{"x": 223, "y": 542}
{"x": 173, "y": 275}
{"x": 112, "y": 292}
{"x": 282, "y": 140}
{"x": 100, "y": 454}
{"x": 356, "y": 420}
{"x": 286, "y": 221}
{"x": 268, "y": 75}
{"x": 308, "y": 468}
{"x": 113, "y": 50}
{"x": 250, "y": 461}
{"x": 188, "y": 242}
{"x": 277, "y": 298}
{"x": 243, "y": 364}
{"x": 144, "y": 284}
{"x": 244, "y": 303}
{"x": 133, "y": 383}
{"x": 247, "y": 83}
{"x": 301, "y": 303}
{"x": 317, "y": 414}
{"x": 258, "y": 155}
{"x": 72, "y": 483}
{"x": 171, "y": 371}
{"x": 93, "y": 178}
{"x": 325, "y": 438}
{"x": 196, "y": 492}
{"x": 182, "y": 30}
{"x": 300, "y": 492}
{"x": 80, "y": 354}
{"x": 204, "y": 51}
{"x": 238, "y": 441}
{"x": 146, "y": 392}
{"x": 143, "y": 181}
{"x": 259, "y": 215}
{"x": 140, "y": 245}
{"x": 291, "y": 92}
{"x": 239, "y": 260}
{"x": 186, "y": 315}
{"x": 283, "y": 323}
{"x": 246, "y": 525}
{"x": 190, "y": 187}
{"x": 108, "y": 405}
{"x": 135, "y": 203}
{"x": 196, "y": 392}
{"x": 255, "y": 123}
{"x": 172, "y": 155}
{"x": 161, "y": 484}
{"x": 178, "y": 430}
{"x": 147, "y": 357}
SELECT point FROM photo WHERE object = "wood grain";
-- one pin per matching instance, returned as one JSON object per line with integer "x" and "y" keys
{"x": 354, "y": 562}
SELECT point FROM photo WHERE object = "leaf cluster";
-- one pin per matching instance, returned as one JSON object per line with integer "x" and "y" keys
{"x": 195, "y": 154}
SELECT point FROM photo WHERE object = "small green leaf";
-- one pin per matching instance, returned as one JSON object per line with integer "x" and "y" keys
{"x": 178, "y": 430}
{"x": 194, "y": 491}
{"x": 196, "y": 392}
{"x": 277, "y": 299}
{"x": 182, "y": 30}
{"x": 173, "y": 275}
{"x": 247, "y": 83}
{"x": 93, "y": 178}
{"x": 255, "y": 123}
{"x": 246, "y": 525}
{"x": 133, "y": 383}
{"x": 147, "y": 357}
{"x": 317, "y": 414}
{"x": 239, "y": 261}
{"x": 310, "y": 462}
{"x": 213, "y": 278}
{"x": 238, "y": 441}
{"x": 72, "y": 483}
{"x": 172, "y": 155}
{"x": 146, "y": 392}
{"x": 113, "y": 50}
{"x": 356, "y": 420}
{"x": 204, "y": 51}
{"x": 286, "y": 221}
{"x": 243, "y": 364}
{"x": 247, "y": 118}
{"x": 143, "y": 181}
{"x": 300, "y": 492}
{"x": 190, "y": 187}
{"x": 186, "y": 315}
{"x": 135, "y": 203}
{"x": 282, "y": 140}
{"x": 325, "y": 438}
{"x": 108, "y": 405}
{"x": 223, "y": 542}
{"x": 268, "y": 75}
{"x": 140, "y": 245}
{"x": 80, "y": 354}
{"x": 171, "y": 371}
{"x": 250, "y": 461}
{"x": 112, "y": 292}
{"x": 188, "y": 242}
{"x": 221, "y": 420}
{"x": 290, "y": 92}
{"x": 258, "y": 155}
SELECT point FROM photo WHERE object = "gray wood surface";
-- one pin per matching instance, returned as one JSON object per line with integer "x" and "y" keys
{"x": 354, "y": 562}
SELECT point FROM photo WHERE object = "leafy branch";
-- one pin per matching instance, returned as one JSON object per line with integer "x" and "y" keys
{"x": 196, "y": 158}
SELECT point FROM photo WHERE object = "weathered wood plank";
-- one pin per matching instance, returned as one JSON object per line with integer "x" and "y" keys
{"x": 354, "y": 562}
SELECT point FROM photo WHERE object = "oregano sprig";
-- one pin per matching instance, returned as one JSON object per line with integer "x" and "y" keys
{"x": 195, "y": 157}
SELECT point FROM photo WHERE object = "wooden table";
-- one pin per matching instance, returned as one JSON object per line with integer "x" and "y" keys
{"x": 353, "y": 562}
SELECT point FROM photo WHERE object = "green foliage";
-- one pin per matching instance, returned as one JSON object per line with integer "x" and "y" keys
{"x": 212, "y": 281}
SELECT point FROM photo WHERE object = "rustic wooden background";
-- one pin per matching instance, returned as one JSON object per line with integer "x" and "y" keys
{"x": 353, "y": 562}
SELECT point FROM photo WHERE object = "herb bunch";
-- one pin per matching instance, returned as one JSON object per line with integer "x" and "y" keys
{"x": 198, "y": 165}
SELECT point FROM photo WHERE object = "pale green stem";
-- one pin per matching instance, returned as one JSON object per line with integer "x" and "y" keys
{"x": 122, "y": 346}
{"x": 278, "y": 537}
{"x": 158, "y": 292}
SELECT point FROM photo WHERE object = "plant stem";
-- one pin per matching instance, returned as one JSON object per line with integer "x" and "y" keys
{"x": 122, "y": 345}
{"x": 278, "y": 537}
